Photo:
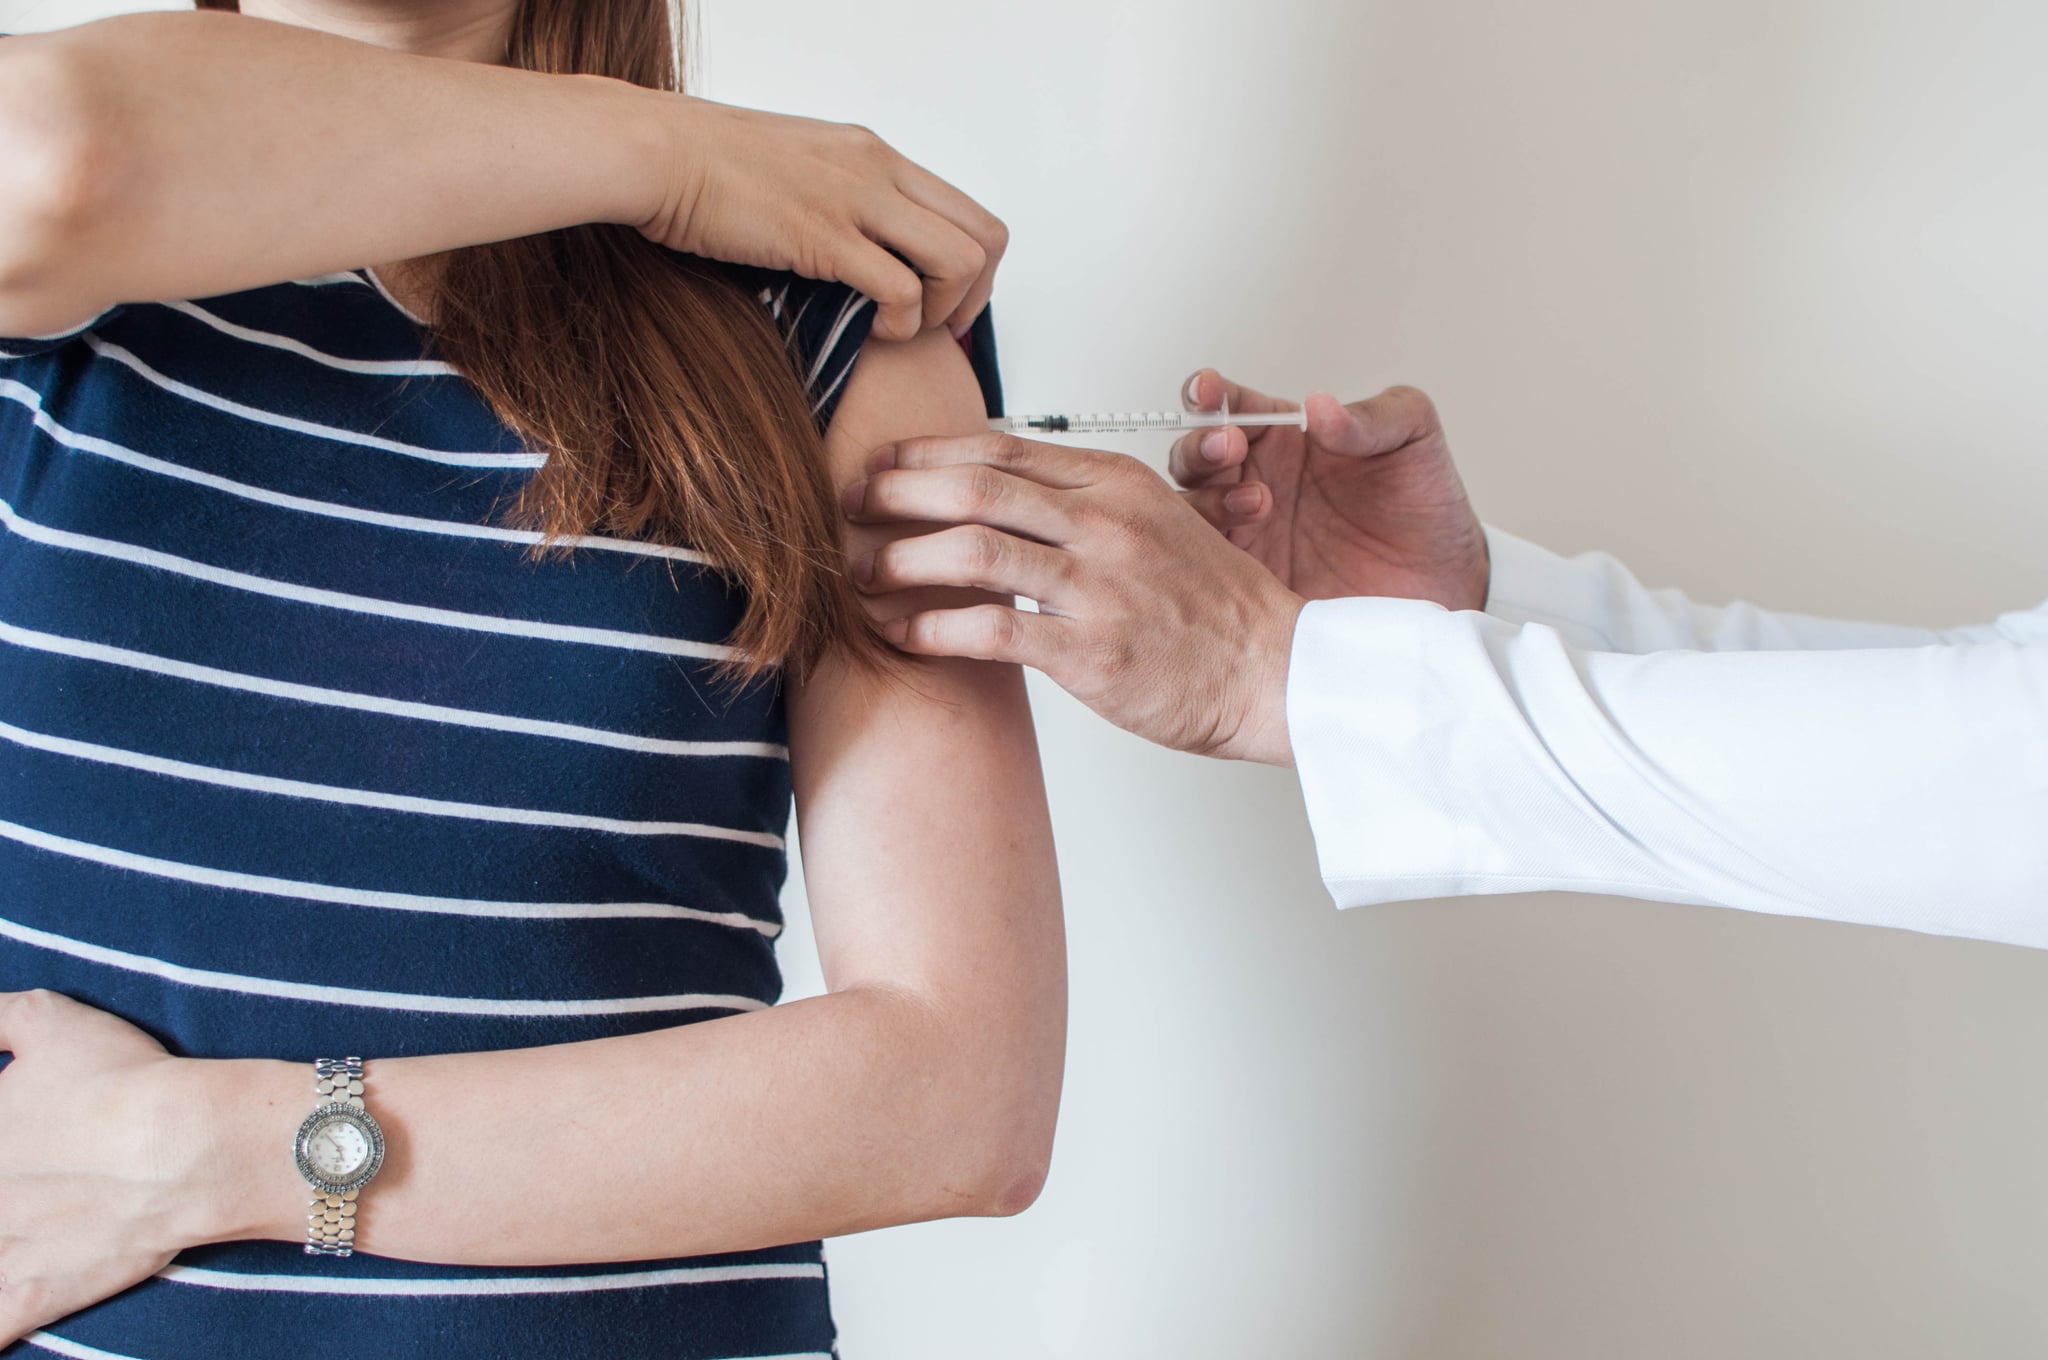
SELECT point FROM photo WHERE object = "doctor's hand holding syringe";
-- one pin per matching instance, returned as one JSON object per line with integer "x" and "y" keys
{"x": 1469, "y": 713}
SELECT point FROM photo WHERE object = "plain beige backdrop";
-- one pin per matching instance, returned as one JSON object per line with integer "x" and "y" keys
{"x": 1751, "y": 292}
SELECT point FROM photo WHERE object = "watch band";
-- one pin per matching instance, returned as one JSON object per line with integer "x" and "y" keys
{"x": 340, "y": 1079}
{"x": 331, "y": 1217}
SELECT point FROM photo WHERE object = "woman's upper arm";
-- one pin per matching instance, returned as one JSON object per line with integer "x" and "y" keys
{"x": 49, "y": 137}
{"x": 926, "y": 844}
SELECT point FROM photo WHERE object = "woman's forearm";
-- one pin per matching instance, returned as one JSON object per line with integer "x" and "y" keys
{"x": 851, "y": 1111}
{"x": 186, "y": 155}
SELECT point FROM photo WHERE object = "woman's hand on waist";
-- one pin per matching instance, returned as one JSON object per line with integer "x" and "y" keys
{"x": 108, "y": 1161}
{"x": 828, "y": 201}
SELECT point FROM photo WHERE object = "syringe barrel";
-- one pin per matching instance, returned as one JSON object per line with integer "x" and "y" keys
{"x": 1137, "y": 422}
{"x": 1103, "y": 422}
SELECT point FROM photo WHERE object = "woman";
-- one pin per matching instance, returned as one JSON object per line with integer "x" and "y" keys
{"x": 364, "y": 691}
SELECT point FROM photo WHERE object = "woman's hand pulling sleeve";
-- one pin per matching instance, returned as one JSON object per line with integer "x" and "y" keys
{"x": 173, "y": 156}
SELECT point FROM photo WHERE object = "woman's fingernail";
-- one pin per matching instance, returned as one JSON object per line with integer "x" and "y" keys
{"x": 882, "y": 459}
{"x": 1192, "y": 394}
{"x": 864, "y": 571}
{"x": 1215, "y": 445}
{"x": 897, "y": 631}
{"x": 1243, "y": 501}
{"x": 855, "y": 499}
{"x": 960, "y": 331}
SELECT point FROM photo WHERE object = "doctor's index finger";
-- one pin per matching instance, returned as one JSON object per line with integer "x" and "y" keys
{"x": 966, "y": 493}
{"x": 1208, "y": 390}
{"x": 1048, "y": 464}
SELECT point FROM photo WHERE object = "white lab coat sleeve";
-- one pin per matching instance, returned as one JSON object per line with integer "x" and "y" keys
{"x": 1445, "y": 754}
{"x": 1594, "y": 602}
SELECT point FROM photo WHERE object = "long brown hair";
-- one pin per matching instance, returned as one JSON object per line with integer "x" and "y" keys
{"x": 660, "y": 390}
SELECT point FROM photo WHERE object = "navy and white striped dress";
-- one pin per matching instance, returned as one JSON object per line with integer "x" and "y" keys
{"x": 302, "y": 753}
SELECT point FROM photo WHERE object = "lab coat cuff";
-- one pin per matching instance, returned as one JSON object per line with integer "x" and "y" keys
{"x": 1359, "y": 710}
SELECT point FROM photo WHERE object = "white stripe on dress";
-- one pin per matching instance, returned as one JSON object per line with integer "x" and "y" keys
{"x": 832, "y": 390}
{"x": 391, "y": 368}
{"x": 520, "y": 1008}
{"x": 372, "y": 798}
{"x": 85, "y": 443}
{"x": 357, "y": 1286}
{"x": 330, "y": 280}
{"x": 392, "y": 298}
{"x": 370, "y": 703}
{"x": 828, "y": 391}
{"x": 43, "y": 341}
{"x": 355, "y": 604}
{"x": 852, "y": 308}
{"x": 810, "y": 296}
{"x": 57, "y": 1345}
{"x": 372, "y": 898}
{"x": 108, "y": 350}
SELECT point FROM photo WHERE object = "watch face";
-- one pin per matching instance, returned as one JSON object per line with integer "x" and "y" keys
{"x": 338, "y": 1149}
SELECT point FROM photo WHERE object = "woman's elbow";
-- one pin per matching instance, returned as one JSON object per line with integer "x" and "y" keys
{"x": 956, "y": 1159}
{"x": 1012, "y": 1155}
{"x": 978, "y": 1111}
{"x": 1019, "y": 1183}
{"x": 999, "y": 1177}
{"x": 56, "y": 177}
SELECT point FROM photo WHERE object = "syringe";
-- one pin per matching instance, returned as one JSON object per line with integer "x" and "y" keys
{"x": 1142, "y": 422}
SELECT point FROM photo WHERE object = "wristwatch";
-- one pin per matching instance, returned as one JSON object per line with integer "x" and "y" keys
{"x": 338, "y": 1149}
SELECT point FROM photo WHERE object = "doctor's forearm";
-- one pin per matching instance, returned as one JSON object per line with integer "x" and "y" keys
{"x": 1450, "y": 754}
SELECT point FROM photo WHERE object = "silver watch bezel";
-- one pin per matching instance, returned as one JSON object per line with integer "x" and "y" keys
{"x": 367, "y": 1124}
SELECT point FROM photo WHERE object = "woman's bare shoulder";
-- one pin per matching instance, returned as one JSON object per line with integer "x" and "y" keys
{"x": 901, "y": 389}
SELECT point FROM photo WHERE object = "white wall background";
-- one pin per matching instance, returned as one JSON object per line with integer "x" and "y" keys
{"x": 1748, "y": 291}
